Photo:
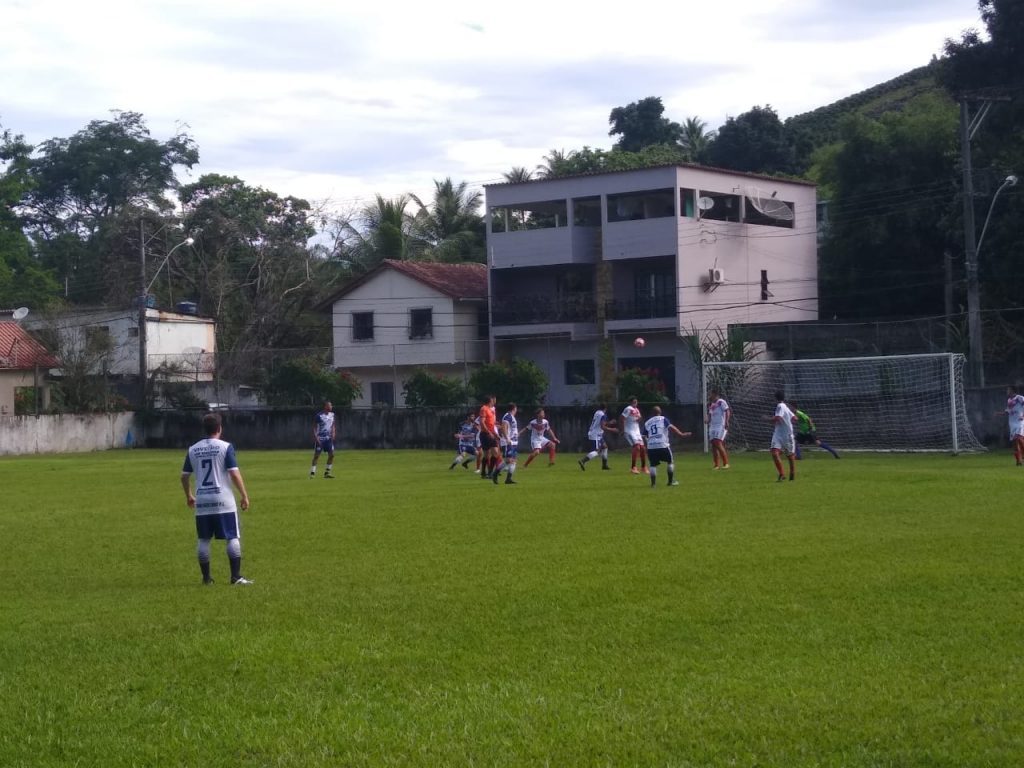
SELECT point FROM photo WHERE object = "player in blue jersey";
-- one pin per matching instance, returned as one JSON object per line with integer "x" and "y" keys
{"x": 508, "y": 432}
{"x": 659, "y": 449}
{"x": 213, "y": 462}
{"x": 323, "y": 439}
{"x": 467, "y": 438}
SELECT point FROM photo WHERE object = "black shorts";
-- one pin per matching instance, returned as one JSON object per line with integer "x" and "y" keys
{"x": 657, "y": 455}
{"x": 806, "y": 438}
{"x": 488, "y": 441}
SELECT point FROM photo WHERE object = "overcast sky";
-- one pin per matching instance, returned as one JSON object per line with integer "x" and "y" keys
{"x": 338, "y": 101}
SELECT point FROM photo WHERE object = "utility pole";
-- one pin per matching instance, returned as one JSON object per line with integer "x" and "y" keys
{"x": 975, "y": 367}
{"x": 142, "y": 314}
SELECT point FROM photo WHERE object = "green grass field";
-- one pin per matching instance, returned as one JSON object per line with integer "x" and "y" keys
{"x": 868, "y": 614}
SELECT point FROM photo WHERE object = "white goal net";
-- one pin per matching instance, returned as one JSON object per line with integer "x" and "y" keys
{"x": 897, "y": 403}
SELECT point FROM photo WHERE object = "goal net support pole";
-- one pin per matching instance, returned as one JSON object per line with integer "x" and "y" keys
{"x": 885, "y": 403}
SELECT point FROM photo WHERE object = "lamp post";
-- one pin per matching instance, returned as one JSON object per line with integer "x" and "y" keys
{"x": 976, "y": 358}
{"x": 143, "y": 352}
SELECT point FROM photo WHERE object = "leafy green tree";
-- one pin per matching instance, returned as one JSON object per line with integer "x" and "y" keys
{"x": 589, "y": 160}
{"x": 642, "y": 124}
{"x": 517, "y": 381}
{"x": 250, "y": 266}
{"x": 450, "y": 227}
{"x": 308, "y": 381}
{"x": 754, "y": 142}
{"x": 976, "y": 69}
{"x": 425, "y": 389}
{"x": 518, "y": 175}
{"x": 80, "y": 185}
{"x": 892, "y": 212}
{"x": 22, "y": 280}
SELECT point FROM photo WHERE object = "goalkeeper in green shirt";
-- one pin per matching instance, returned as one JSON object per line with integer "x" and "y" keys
{"x": 806, "y": 433}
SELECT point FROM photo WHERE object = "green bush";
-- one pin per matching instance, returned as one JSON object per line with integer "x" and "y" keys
{"x": 519, "y": 381}
{"x": 309, "y": 381}
{"x": 423, "y": 388}
{"x": 644, "y": 384}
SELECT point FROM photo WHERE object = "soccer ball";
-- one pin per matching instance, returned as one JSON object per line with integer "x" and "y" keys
{"x": 639, "y": 342}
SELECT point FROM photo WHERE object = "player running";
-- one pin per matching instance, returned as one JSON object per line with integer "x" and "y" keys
{"x": 323, "y": 439}
{"x": 599, "y": 425}
{"x": 717, "y": 419}
{"x": 631, "y": 431}
{"x": 540, "y": 428}
{"x": 466, "y": 437}
{"x": 1015, "y": 421}
{"x": 658, "y": 429}
{"x": 782, "y": 436}
{"x": 807, "y": 433}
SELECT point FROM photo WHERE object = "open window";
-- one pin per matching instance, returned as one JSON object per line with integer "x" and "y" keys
{"x": 421, "y": 323}
{"x": 362, "y": 326}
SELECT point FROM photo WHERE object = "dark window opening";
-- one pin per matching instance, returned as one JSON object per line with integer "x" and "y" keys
{"x": 579, "y": 372}
{"x": 382, "y": 393}
{"x": 362, "y": 326}
{"x": 543, "y": 215}
{"x": 421, "y": 323}
{"x": 718, "y": 206}
{"x": 634, "y": 206}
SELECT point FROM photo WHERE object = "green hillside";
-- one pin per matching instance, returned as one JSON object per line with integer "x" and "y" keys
{"x": 820, "y": 127}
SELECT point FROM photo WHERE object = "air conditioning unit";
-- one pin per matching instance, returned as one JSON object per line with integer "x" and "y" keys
{"x": 716, "y": 276}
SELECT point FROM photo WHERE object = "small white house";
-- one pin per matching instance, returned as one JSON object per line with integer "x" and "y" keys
{"x": 185, "y": 342}
{"x": 406, "y": 315}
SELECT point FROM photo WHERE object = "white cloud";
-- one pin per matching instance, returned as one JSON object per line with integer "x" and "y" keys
{"x": 332, "y": 101}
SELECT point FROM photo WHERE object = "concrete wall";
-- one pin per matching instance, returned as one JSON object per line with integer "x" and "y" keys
{"x": 363, "y": 429}
{"x": 64, "y": 433}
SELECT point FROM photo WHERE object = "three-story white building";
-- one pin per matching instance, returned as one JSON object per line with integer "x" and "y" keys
{"x": 662, "y": 253}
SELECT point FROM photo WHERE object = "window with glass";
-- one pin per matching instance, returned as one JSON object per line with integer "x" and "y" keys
{"x": 579, "y": 372}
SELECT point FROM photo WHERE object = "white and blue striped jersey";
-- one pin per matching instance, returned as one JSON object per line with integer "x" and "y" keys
{"x": 210, "y": 460}
{"x": 467, "y": 435}
{"x": 513, "y": 429}
{"x": 324, "y": 424}
{"x": 596, "y": 431}
{"x": 656, "y": 428}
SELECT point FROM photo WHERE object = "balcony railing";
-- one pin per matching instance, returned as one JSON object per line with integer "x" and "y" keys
{"x": 523, "y": 310}
{"x": 640, "y": 309}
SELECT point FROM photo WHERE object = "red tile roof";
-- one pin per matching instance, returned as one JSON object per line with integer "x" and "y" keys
{"x": 457, "y": 281}
{"x": 20, "y": 352}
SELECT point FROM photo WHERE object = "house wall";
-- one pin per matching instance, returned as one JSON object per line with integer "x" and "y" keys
{"x": 168, "y": 335}
{"x": 11, "y": 380}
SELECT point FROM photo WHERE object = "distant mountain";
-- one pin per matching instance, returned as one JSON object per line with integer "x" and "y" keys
{"x": 820, "y": 127}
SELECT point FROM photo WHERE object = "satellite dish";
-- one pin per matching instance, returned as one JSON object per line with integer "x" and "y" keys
{"x": 20, "y": 313}
{"x": 705, "y": 203}
{"x": 769, "y": 206}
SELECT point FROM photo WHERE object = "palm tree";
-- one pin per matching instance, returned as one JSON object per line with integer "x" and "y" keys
{"x": 382, "y": 230}
{"x": 696, "y": 139}
{"x": 450, "y": 228}
{"x": 554, "y": 165}
{"x": 518, "y": 175}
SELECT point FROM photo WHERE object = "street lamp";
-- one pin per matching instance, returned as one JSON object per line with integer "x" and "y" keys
{"x": 143, "y": 296}
{"x": 973, "y": 299}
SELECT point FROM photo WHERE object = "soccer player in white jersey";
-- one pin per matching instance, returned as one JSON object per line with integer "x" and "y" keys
{"x": 631, "y": 431}
{"x": 323, "y": 439}
{"x": 467, "y": 439}
{"x": 213, "y": 462}
{"x": 659, "y": 449}
{"x": 599, "y": 425}
{"x": 540, "y": 428}
{"x": 783, "y": 440}
{"x": 1015, "y": 421}
{"x": 717, "y": 420}
{"x": 508, "y": 435}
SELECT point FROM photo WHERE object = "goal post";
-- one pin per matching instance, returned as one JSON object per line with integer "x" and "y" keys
{"x": 885, "y": 403}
